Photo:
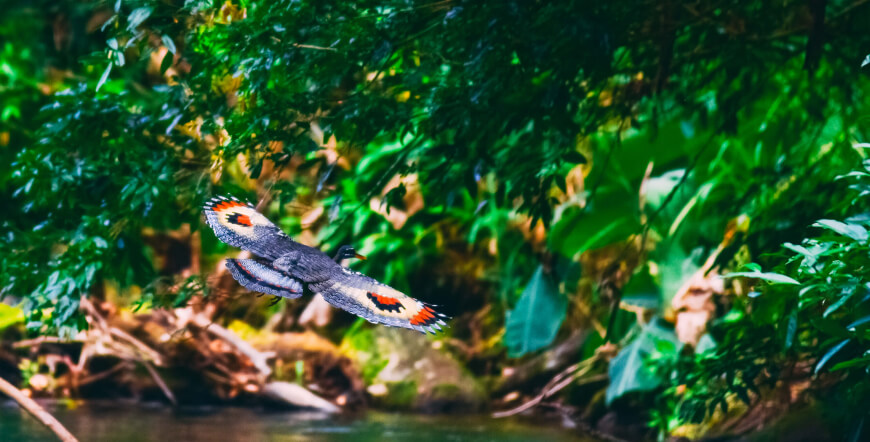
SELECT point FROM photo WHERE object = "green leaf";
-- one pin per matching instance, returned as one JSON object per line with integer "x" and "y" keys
{"x": 835, "y": 306}
{"x": 579, "y": 230}
{"x": 862, "y": 321}
{"x": 830, "y": 354}
{"x": 851, "y": 363}
{"x": 642, "y": 291}
{"x": 629, "y": 370}
{"x": 166, "y": 63}
{"x": 136, "y": 17}
{"x": 773, "y": 278}
{"x": 539, "y": 313}
{"x": 658, "y": 188}
{"x": 705, "y": 344}
{"x": 100, "y": 242}
{"x": 104, "y": 77}
{"x": 675, "y": 267}
{"x": 854, "y": 231}
{"x": 170, "y": 45}
{"x": 574, "y": 157}
{"x": 753, "y": 267}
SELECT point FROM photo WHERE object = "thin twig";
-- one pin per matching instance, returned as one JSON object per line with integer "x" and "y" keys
{"x": 160, "y": 383}
{"x": 36, "y": 411}
{"x": 150, "y": 353}
{"x": 560, "y": 381}
{"x": 319, "y": 48}
{"x": 104, "y": 374}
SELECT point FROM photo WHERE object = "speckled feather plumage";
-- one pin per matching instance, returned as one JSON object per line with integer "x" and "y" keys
{"x": 288, "y": 268}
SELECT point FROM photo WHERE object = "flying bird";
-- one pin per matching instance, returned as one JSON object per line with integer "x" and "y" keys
{"x": 289, "y": 269}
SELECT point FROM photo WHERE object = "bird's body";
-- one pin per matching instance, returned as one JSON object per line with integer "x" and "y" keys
{"x": 287, "y": 268}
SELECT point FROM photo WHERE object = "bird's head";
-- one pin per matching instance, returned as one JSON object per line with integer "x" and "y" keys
{"x": 348, "y": 252}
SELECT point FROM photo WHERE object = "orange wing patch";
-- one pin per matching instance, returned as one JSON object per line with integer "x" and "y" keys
{"x": 426, "y": 316}
{"x": 226, "y": 204}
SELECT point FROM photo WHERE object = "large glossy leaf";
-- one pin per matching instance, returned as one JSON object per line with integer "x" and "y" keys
{"x": 676, "y": 266}
{"x": 642, "y": 290}
{"x": 539, "y": 313}
{"x": 629, "y": 370}
{"x": 612, "y": 219}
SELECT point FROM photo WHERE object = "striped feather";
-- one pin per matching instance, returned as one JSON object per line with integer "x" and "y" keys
{"x": 262, "y": 277}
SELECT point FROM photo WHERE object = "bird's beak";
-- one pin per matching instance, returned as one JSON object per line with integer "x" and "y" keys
{"x": 358, "y": 256}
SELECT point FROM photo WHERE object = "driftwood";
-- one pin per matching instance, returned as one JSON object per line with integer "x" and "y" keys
{"x": 36, "y": 411}
{"x": 297, "y": 396}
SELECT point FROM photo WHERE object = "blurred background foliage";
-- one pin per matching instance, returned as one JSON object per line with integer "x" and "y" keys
{"x": 538, "y": 168}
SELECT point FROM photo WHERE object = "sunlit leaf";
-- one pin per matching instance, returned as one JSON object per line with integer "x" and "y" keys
{"x": 104, "y": 77}
{"x": 773, "y": 278}
{"x": 854, "y": 231}
{"x": 170, "y": 45}
{"x": 830, "y": 354}
{"x": 10, "y": 316}
{"x": 137, "y": 17}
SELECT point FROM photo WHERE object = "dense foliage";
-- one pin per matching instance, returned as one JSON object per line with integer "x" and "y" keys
{"x": 531, "y": 165}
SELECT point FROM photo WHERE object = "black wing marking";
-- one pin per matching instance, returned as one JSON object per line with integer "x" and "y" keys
{"x": 377, "y": 302}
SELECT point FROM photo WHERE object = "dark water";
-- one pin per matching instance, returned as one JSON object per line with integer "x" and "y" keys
{"x": 129, "y": 423}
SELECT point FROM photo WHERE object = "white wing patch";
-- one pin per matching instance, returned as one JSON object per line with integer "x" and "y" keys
{"x": 240, "y": 225}
{"x": 382, "y": 304}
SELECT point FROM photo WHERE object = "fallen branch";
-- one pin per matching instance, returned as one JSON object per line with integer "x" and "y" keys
{"x": 36, "y": 411}
{"x": 554, "y": 359}
{"x": 42, "y": 340}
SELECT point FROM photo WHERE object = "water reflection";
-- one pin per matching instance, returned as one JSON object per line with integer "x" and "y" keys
{"x": 137, "y": 422}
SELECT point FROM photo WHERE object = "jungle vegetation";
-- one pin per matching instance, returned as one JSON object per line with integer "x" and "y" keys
{"x": 653, "y": 210}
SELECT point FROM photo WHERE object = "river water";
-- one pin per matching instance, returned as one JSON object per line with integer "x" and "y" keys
{"x": 137, "y": 422}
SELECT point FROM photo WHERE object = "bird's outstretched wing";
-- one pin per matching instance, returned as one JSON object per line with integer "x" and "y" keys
{"x": 378, "y": 303}
{"x": 262, "y": 277}
{"x": 240, "y": 225}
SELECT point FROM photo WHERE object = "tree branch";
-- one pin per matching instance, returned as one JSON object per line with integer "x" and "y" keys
{"x": 36, "y": 411}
